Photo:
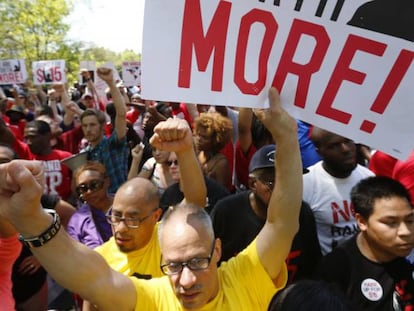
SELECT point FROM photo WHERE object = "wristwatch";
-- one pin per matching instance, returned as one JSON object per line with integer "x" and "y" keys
{"x": 47, "y": 235}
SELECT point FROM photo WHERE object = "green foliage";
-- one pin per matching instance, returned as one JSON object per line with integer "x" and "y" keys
{"x": 32, "y": 29}
{"x": 101, "y": 55}
{"x": 35, "y": 30}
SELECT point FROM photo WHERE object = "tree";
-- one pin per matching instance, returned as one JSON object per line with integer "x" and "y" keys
{"x": 35, "y": 30}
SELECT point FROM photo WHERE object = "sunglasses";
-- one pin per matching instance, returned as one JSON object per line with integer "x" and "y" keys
{"x": 170, "y": 163}
{"x": 93, "y": 185}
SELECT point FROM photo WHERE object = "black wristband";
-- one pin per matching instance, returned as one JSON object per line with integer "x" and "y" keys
{"x": 47, "y": 235}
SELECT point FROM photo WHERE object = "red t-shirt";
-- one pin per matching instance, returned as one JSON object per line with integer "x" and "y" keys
{"x": 404, "y": 173}
{"x": 58, "y": 177}
{"x": 242, "y": 164}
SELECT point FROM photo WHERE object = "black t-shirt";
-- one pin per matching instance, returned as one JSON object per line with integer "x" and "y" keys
{"x": 173, "y": 195}
{"x": 369, "y": 285}
{"x": 236, "y": 224}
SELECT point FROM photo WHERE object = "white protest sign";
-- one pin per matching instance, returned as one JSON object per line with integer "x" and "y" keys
{"x": 350, "y": 80}
{"x": 12, "y": 71}
{"x": 101, "y": 85}
{"x": 89, "y": 65}
{"x": 131, "y": 73}
{"x": 49, "y": 72}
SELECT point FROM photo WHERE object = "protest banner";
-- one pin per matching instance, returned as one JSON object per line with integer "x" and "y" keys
{"x": 90, "y": 66}
{"x": 101, "y": 85}
{"x": 49, "y": 72}
{"x": 346, "y": 66}
{"x": 12, "y": 71}
{"x": 131, "y": 73}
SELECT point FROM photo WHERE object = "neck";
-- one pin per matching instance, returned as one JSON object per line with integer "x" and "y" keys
{"x": 104, "y": 204}
{"x": 335, "y": 173}
{"x": 94, "y": 143}
{"x": 371, "y": 252}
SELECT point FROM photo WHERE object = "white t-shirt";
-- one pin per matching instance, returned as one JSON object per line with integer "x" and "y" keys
{"x": 329, "y": 199}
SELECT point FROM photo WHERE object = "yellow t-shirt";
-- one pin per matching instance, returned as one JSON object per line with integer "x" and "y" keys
{"x": 143, "y": 263}
{"x": 244, "y": 285}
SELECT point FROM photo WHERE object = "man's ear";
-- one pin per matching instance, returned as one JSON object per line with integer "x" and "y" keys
{"x": 157, "y": 214}
{"x": 218, "y": 249}
{"x": 361, "y": 222}
{"x": 252, "y": 183}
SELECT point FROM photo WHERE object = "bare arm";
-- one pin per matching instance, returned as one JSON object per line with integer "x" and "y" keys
{"x": 70, "y": 263}
{"x": 119, "y": 103}
{"x": 175, "y": 135}
{"x": 245, "y": 128}
{"x": 6, "y": 228}
{"x": 275, "y": 239}
{"x": 136, "y": 153}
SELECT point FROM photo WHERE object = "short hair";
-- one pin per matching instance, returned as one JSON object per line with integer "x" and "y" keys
{"x": 308, "y": 295}
{"x": 90, "y": 166}
{"x": 41, "y": 127}
{"x": 94, "y": 112}
{"x": 220, "y": 128}
{"x": 44, "y": 110}
{"x": 368, "y": 190}
{"x": 193, "y": 212}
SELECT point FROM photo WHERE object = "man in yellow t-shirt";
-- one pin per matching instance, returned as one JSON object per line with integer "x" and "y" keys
{"x": 189, "y": 250}
{"x": 133, "y": 249}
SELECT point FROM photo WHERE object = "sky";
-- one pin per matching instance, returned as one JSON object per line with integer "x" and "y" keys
{"x": 115, "y": 25}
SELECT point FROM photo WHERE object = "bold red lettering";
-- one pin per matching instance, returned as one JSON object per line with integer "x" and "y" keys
{"x": 336, "y": 211}
{"x": 303, "y": 71}
{"x": 343, "y": 72}
{"x": 215, "y": 39}
{"x": 393, "y": 80}
{"x": 39, "y": 75}
{"x": 291, "y": 265}
{"x": 267, "y": 19}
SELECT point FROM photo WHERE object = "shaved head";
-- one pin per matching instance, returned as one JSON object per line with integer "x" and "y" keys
{"x": 138, "y": 191}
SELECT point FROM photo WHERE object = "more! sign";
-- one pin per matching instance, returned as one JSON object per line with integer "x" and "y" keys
{"x": 12, "y": 71}
{"x": 346, "y": 66}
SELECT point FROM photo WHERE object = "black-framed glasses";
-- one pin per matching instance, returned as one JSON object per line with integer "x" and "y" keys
{"x": 93, "y": 185}
{"x": 194, "y": 264}
{"x": 130, "y": 222}
{"x": 175, "y": 162}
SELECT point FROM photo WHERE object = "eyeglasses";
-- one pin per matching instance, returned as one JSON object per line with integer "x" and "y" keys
{"x": 132, "y": 223}
{"x": 194, "y": 264}
{"x": 93, "y": 185}
{"x": 170, "y": 163}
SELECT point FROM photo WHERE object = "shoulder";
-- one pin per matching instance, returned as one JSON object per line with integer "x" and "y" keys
{"x": 363, "y": 171}
{"x": 233, "y": 201}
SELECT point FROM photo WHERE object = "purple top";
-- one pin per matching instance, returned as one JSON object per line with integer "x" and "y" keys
{"x": 89, "y": 226}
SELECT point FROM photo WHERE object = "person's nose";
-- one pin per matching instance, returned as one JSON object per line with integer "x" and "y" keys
{"x": 405, "y": 229}
{"x": 187, "y": 278}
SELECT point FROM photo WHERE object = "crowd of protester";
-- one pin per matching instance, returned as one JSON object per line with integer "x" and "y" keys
{"x": 132, "y": 159}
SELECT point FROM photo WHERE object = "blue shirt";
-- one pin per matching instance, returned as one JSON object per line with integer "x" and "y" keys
{"x": 113, "y": 154}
